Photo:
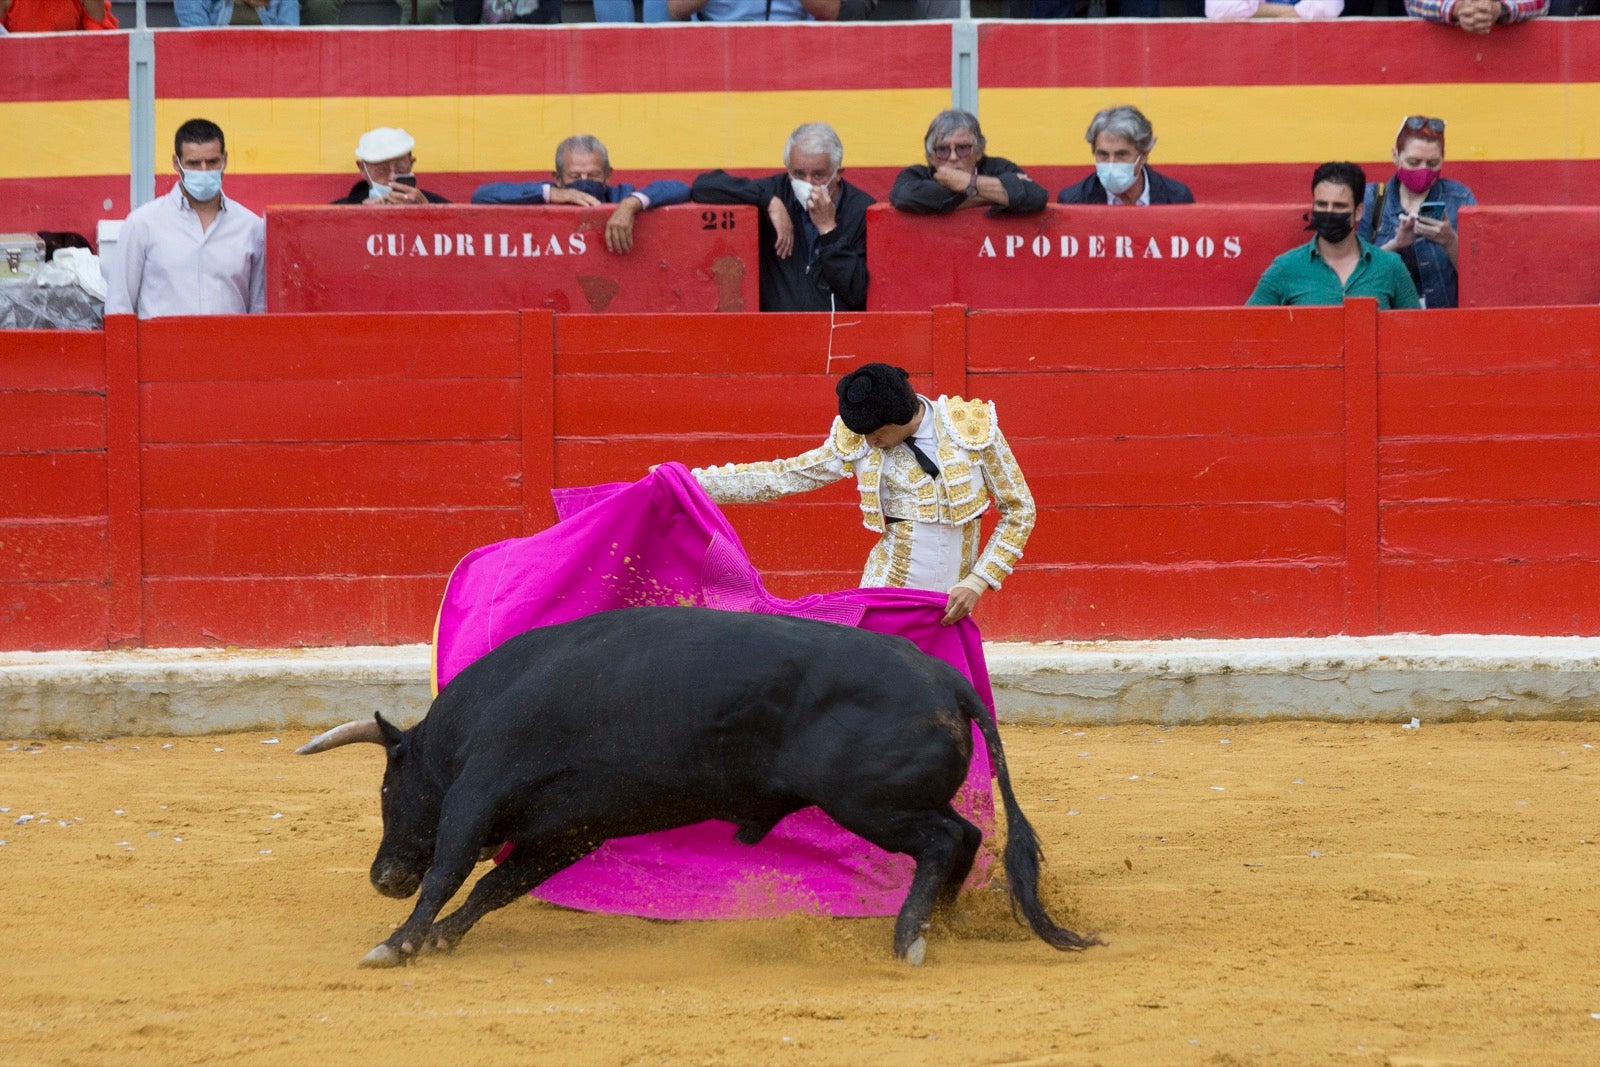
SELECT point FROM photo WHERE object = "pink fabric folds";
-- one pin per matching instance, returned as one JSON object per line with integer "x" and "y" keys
{"x": 661, "y": 540}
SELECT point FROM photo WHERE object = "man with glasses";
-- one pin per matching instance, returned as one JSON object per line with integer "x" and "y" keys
{"x": 959, "y": 175}
{"x": 384, "y": 158}
{"x": 813, "y": 224}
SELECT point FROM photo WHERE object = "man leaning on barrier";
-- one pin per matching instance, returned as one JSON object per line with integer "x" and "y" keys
{"x": 959, "y": 175}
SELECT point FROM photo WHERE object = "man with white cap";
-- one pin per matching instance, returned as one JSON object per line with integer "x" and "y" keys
{"x": 383, "y": 156}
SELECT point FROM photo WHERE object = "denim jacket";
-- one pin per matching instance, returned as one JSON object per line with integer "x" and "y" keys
{"x": 1434, "y": 274}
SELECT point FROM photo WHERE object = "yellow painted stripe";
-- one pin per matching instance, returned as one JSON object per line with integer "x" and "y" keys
{"x": 689, "y": 131}
{"x": 84, "y": 137}
{"x": 1301, "y": 124}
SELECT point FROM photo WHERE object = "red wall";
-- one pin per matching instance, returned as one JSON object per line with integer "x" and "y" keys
{"x": 311, "y": 479}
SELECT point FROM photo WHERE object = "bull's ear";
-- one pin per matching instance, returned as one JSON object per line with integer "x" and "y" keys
{"x": 391, "y": 733}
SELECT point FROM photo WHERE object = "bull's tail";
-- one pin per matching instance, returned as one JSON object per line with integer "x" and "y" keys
{"x": 1023, "y": 855}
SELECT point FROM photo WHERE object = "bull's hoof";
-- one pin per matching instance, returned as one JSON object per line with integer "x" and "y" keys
{"x": 382, "y": 956}
{"x": 917, "y": 952}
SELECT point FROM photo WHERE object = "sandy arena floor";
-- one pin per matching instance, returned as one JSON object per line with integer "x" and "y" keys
{"x": 1291, "y": 893}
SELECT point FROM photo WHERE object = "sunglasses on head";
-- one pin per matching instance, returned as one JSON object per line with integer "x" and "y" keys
{"x": 1422, "y": 122}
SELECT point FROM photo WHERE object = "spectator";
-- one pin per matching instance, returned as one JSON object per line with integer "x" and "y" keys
{"x": 192, "y": 251}
{"x": 494, "y": 12}
{"x": 959, "y": 175}
{"x": 1122, "y": 138}
{"x": 926, "y": 500}
{"x": 582, "y": 174}
{"x": 1414, "y": 212}
{"x": 1336, "y": 263}
{"x": 412, "y": 12}
{"x": 49, "y": 16}
{"x": 220, "y": 12}
{"x": 828, "y": 270}
{"x": 754, "y": 10}
{"x": 1274, "y": 9}
{"x": 1476, "y": 16}
{"x": 624, "y": 11}
{"x": 384, "y": 158}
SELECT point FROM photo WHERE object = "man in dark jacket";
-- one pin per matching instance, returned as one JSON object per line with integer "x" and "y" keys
{"x": 384, "y": 158}
{"x": 958, "y": 174}
{"x": 813, "y": 224}
{"x": 1122, "y": 139}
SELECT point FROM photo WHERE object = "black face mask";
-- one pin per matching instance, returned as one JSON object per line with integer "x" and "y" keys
{"x": 597, "y": 190}
{"x": 1331, "y": 226}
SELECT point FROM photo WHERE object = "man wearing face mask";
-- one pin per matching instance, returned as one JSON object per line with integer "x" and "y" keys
{"x": 384, "y": 158}
{"x": 192, "y": 251}
{"x": 1336, "y": 263}
{"x": 583, "y": 169}
{"x": 813, "y": 224}
{"x": 1121, "y": 138}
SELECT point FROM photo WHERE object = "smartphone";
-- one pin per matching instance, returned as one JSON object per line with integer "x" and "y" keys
{"x": 411, "y": 180}
{"x": 1432, "y": 209}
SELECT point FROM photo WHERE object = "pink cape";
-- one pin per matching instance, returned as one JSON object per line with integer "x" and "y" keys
{"x": 662, "y": 540}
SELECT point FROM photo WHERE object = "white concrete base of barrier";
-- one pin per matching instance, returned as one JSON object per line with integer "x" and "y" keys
{"x": 1393, "y": 678}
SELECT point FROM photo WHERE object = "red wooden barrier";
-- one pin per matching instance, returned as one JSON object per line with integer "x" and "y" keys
{"x": 1079, "y": 256}
{"x": 453, "y": 258}
{"x": 1225, "y": 472}
{"x": 1528, "y": 256}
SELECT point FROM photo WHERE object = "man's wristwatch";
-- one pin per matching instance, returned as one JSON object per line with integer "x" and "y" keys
{"x": 972, "y": 186}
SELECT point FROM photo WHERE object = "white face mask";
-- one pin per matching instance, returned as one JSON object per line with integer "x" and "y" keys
{"x": 803, "y": 190}
{"x": 375, "y": 190}
{"x": 1118, "y": 178}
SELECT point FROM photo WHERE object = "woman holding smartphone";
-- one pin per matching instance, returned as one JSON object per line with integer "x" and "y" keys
{"x": 1414, "y": 212}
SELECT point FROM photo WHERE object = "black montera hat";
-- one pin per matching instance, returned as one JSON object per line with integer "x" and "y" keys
{"x": 876, "y": 395}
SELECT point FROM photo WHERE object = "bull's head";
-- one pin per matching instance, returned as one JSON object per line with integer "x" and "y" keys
{"x": 410, "y": 802}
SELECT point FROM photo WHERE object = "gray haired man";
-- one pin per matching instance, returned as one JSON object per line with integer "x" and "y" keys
{"x": 1122, "y": 138}
{"x": 960, "y": 175}
{"x": 813, "y": 224}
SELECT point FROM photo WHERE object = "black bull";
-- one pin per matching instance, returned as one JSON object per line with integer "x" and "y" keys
{"x": 645, "y": 719}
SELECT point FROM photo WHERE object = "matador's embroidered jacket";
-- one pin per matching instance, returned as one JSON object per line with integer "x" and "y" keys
{"x": 975, "y": 464}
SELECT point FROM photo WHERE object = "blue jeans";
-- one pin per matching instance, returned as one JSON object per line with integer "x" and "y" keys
{"x": 622, "y": 11}
{"x": 220, "y": 12}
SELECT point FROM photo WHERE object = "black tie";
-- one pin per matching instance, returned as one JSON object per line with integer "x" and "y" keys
{"x": 929, "y": 467}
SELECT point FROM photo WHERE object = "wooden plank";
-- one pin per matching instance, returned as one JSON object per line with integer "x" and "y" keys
{"x": 1361, "y": 592}
{"x": 1154, "y": 339}
{"x": 1167, "y": 403}
{"x": 444, "y": 410}
{"x": 537, "y": 331}
{"x": 1200, "y": 535}
{"x": 1533, "y": 597}
{"x": 124, "y": 487}
{"x": 744, "y": 345}
{"x": 1509, "y": 404}
{"x": 46, "y": 616}
{"x": 1504, "y": 469}
{"x": 315, "y": 543}
{"x": 1517, "y": 340}
{"x": 53, "y": 485}
{"x": 266, "y": 612}
{"x": 356, "y": 474}
{"x": 1510, "y": 533}
{"x": 279, "y": 348}
{"x": 67, "y": 551}
{"x": 51, "y": 421}
{"x": 1182, "y": 470}
{"x": 54, "y": 360}
{"x": 596, "y": 460}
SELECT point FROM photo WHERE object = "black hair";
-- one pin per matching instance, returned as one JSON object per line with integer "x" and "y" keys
{"x": 197, "y": 131}
{"x": 1346, "y": 174}
{"x": 876, "y": 395}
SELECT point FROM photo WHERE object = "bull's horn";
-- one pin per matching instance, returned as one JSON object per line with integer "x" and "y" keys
{"x": 348, "y": 734}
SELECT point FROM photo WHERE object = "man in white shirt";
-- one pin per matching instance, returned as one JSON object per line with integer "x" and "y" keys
{"x": 193, "y": 251}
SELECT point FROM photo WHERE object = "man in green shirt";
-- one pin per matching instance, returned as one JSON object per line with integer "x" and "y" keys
{"x": 1336, "y": 264}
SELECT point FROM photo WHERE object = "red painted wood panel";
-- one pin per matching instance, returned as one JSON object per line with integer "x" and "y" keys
{"x": 52, "y": 420}
{"x": 53, "y": 359}
{"x": 1505, "y": 339}
{"x": 1202, "y": 535}
{"x": 357, "y": 474}
{"x": 742, "y": 345}
{"x": 1528, "y": 255}
{"x": 45, "y": 616}
{"x": 1508, "y": 532}
{"x": 64, "y": 551}
{"x": 1167, "y": 339}
{"x": 1182, "y": 470}
{"x": 808, "y": 534}
{"x": 1538, "y": 598}
{"x": 624, "y": 458}
{"x": 302, "y": 542}
{"x": 361, "y": 410}
{"x": 53, "y": 485}
{"x": 1148, "y": 603}
{"x": 1166, "y": 404}
{"x": 293, "y": 611}
{"x": 1551, "y": 469}
{"x": 289, "y": 348}
{"x": 1533, "y": 403}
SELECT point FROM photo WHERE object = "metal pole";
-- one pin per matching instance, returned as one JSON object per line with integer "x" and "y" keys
{"x": 964, "y": 62}
{"x": 141, "y": 113}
